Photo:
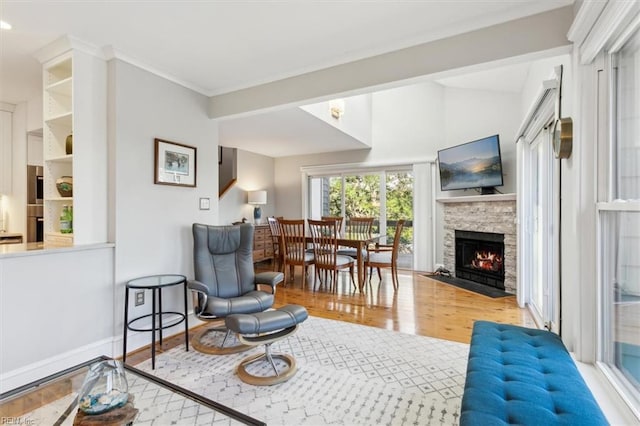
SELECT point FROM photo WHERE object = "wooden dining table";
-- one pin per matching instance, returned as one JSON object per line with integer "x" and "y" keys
{"x": 358, "y": 242}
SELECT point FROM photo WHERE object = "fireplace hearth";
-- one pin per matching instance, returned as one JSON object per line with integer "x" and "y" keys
{"x": 479, "y": 257}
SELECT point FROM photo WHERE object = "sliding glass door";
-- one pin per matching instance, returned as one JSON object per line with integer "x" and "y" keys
{"x": 386, "y": 195}
{"x": 540, "y": 239}
{"x": 362, "y": 197}
{"x": 398, "y": 203}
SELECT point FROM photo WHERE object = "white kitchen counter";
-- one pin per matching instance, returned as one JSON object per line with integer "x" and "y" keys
{"x": 31, "y": 249}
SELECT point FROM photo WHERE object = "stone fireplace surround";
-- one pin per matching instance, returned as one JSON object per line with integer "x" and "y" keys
{"x": 482, "y": 213}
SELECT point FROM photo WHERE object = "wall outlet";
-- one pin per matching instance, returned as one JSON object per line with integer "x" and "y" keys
{"x": 139, "y": 298}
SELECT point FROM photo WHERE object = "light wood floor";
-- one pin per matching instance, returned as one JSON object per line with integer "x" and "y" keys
{"x": 421, "y": 306}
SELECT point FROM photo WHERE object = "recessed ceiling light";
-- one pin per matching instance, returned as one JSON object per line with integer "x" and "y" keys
{"x": 5, "y": 25}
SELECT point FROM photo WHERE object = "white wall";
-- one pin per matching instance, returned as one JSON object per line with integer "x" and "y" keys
{"x": 34, "y": 114}
{"x": 407, "y": 123}
{"x": 254, "y": 172}
{"x": 152, "y": 223}
{"x": 474, "y": 114}
{"x": 356, "y": 120}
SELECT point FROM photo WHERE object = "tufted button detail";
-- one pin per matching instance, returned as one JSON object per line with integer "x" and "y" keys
{"x": 523, "y": 376}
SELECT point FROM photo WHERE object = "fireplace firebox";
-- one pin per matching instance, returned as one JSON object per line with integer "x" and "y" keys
{"x": 480, "y": 257}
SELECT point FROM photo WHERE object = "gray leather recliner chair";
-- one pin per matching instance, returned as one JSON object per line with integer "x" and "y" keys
{"x": 225, "y": 282}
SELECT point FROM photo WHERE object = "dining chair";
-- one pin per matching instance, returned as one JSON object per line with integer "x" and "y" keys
{"x": 294, "y": 247}
{"x": 275, "y": 238}
{"x": 360, "y": 225}
{"x": 356, "y": 226}
{"x": 324, "y": 234}
{"x": 385, "y": 256}
{"x": 337, "y": 219}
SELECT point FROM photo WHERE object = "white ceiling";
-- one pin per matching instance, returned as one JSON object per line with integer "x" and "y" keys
{"x": 219, "y": 46}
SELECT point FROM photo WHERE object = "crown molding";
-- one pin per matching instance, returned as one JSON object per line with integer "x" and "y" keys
{"x": 63, "y": 45}
{"x": 109, "y": 53}
{"x": 69, "y": 42}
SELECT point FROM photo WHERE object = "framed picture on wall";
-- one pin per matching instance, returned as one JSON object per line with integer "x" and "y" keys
{"x": 175, "y": 164}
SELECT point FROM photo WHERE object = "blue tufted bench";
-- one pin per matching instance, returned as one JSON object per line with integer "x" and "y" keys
{"x": 518, "y": 375}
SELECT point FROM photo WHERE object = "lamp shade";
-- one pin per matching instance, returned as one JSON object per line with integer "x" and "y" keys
{"x": 257, "y": 197}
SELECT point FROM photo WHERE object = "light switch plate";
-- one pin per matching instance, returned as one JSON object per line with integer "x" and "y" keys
{"x": 205, "y": 203}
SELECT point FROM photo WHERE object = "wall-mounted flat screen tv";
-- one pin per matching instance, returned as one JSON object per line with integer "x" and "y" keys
{"x": 475, "y": 164}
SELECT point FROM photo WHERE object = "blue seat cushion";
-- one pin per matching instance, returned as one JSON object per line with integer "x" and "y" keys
{"x": 517, "y": 375}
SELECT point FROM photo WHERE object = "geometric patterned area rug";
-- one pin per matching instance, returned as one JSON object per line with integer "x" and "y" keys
{"x": 347, "y": 374}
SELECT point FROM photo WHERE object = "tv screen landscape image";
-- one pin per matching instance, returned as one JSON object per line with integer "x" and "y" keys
{"x": 475, "y": 164}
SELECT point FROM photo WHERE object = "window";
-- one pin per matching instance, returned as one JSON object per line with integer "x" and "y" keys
{"x": 619, "y": 228}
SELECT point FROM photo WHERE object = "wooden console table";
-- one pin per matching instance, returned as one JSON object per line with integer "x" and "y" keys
{"x": 262, "y": 243}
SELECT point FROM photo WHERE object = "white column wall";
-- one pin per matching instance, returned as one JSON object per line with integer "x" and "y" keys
{"x": 56, "y": 310}
{"x": 152, "y": 223}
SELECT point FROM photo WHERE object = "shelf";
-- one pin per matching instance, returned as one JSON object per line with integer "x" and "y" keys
{"x": 59, "y": 72}
{"x": 59, "y": 199}
{"x": 58, "y": 238}
{"x": 62, "y": 87}
{"x": 64, "y": 119}
{"x": 60, "y": 234}
{"x": 68, "y": 158}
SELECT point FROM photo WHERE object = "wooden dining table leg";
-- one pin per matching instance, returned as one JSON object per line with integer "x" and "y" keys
{"x": 360, "y": 266}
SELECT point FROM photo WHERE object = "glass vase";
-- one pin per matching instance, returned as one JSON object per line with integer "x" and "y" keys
{"x": 104, "y": 388}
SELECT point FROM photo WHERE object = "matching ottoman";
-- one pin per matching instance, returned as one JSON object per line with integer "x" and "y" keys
{"x": 265, "y": 328}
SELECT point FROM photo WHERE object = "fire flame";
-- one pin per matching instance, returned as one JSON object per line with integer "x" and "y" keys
{"x": 487, "y": 261}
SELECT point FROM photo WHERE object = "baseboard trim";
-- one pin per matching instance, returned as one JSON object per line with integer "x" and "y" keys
{"x": 37, "y": 370}
{"x": 111, "y": 347}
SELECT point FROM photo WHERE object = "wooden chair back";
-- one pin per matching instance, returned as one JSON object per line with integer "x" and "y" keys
{"x": 325, "y": 242}
{"x": 360, "y": 225}
{"x": 293, "y": 240}
{"x": 396, "y": 241}
{"x": 337, "y": 219}
{"x": 274, "y": 226}
{"x": 375, "y": 261}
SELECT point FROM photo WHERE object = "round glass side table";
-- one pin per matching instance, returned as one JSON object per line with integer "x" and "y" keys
{"x": 155, "y": 283}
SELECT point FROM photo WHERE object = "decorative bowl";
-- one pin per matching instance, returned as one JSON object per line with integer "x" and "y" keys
{"x": 65, "y": 186}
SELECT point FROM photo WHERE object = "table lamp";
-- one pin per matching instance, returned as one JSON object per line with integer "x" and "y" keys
{"x": 257, "y": 198}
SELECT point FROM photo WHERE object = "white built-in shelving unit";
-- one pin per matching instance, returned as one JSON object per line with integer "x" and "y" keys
{"x": 58, "y": 124}
{"x": 75, "y": 103}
